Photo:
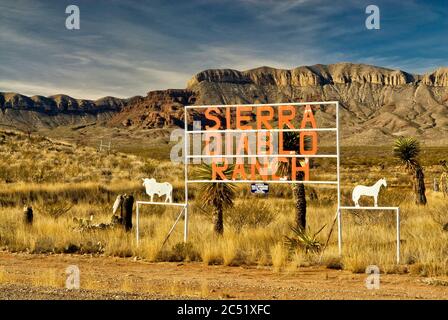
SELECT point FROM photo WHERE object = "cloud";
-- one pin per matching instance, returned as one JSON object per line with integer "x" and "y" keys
{"x": 127, "y": 48}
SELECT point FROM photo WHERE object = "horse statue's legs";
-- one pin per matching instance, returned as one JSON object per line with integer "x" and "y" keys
{"x": 376, "y": 200}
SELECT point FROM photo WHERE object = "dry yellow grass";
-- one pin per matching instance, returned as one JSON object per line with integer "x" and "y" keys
{"x": 369, "y": 238}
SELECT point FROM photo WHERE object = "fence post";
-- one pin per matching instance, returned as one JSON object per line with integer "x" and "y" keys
{"x": 128, "y": 204}
{"x": 28, "y": 215}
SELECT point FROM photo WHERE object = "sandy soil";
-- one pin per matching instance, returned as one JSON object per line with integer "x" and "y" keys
{"x": 26, "y": 276}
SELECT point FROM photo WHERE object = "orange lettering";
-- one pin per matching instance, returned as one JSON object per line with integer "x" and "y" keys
{"x": 219, "y": 170}
{"x": 212, "y": 117}
{"x": 285, "y": 119}
{"x": 240, "y": 118}
{"x": 303, "y": 167}
{"x": 264, "y": 119}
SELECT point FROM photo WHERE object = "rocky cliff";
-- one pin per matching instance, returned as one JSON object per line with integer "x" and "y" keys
{"x": 307, "y": 76}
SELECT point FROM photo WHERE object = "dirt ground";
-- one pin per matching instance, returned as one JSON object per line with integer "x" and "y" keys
{"x": 32, "y": 276}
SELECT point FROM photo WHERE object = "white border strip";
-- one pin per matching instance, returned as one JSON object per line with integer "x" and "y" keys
{"x": 263, "y": 181}
{"x": 204, "y": 156}
{"x": 262, "y": 104}
{"x": 243, "y": 131}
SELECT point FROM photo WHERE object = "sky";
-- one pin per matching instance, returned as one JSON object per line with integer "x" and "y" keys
{"x": 126, "y": 48}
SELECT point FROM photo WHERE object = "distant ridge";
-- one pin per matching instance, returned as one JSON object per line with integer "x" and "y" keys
{"x": 59, "y": 103}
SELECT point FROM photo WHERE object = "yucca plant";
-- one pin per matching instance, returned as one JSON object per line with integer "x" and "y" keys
{"x": 443, "y": 181}
{"x": 291, "y": 141}
{"x": 303, "y": 239}
{"x": 217, "y": 195}
{"x": 407, "y": 149}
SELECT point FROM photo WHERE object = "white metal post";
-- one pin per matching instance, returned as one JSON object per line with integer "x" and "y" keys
{"x": 339, "y": 231}
{"x": 137, "y": 221}
{"x": 398, "y": 235}
{"x": 186, "y": 153}
{"x": 338, "y": 178}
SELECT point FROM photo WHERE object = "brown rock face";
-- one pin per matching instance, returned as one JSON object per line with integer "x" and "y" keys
{"x": 158, "y": 109}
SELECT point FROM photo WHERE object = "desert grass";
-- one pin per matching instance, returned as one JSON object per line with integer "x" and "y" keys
{"x": 369, "y": 239}
{"x": 255, "y": 228}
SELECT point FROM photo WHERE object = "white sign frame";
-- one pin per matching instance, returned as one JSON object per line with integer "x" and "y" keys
{"x": 187, "y": 156}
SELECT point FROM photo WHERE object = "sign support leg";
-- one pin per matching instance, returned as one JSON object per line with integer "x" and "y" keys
{"x": 137, "y": 222}
{"x": 339, "y": 232}
{"x": 398, "y": 236}
{"x": 186, "y": 153}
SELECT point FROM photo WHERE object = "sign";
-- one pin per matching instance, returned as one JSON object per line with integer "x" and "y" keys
{"x": 251, "y": 143}
{"x": 259, "y": 188}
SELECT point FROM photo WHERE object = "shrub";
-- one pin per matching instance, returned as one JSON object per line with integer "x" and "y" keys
{"x": 184, "y": 251}
{"x": 440, "y": 215}
{"x": 55, "y": 209}
{"x": 148, "y": 168}
{"x": 304, "y": 240}
{"x": 255, "y": 214}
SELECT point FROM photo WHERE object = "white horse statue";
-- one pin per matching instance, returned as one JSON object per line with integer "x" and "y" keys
{"x": 163, "y": 188}
{"x": 372, "y": 191}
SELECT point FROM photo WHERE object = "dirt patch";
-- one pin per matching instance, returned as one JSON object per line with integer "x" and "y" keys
{"x": 25, "y": 276}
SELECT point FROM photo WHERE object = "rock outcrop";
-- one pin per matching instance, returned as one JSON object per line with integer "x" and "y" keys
{"x": 158, "y": 109}
{"x": 438, "y": 78}
{"x": 308, "y": 76}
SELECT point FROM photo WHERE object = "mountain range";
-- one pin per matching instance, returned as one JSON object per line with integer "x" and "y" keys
{"x": 377, "y": 104}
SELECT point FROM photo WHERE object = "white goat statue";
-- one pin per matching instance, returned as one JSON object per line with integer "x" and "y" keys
{"x": 163, "y": 188}
{"x": 371, "y": 191}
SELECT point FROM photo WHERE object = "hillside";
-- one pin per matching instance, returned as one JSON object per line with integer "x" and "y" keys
{"x": 35, "y": 112}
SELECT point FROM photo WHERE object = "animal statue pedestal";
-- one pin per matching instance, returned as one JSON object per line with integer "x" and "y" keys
{"x": 371, "y": 191}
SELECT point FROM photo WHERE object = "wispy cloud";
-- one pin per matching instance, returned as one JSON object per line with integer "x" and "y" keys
{"x": 126, "y": 47}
